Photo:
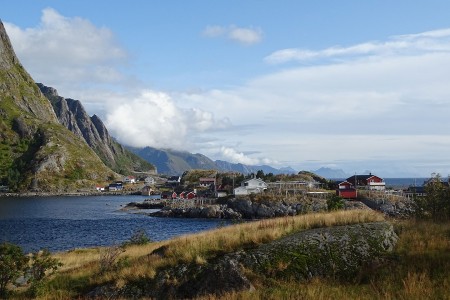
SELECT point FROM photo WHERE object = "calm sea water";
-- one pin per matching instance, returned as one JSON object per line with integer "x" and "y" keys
{"x": 64, "y": 223}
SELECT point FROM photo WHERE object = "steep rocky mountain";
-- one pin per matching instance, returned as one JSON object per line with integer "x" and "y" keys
{"x": 331, "y": 173}
{"x": 36, "y": 151}
{"x": 246, "y": 169}
{"x": 173, "y": 162}
{"x": 74, "y": 117}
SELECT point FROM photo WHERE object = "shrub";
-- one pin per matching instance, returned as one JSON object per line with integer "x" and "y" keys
{"x": 335, "y": 203}
{"x": 108, "y": 258}
{"x": 139, "y": 237}
{"x": 41, "y": 263}
{"x": 12, "y": 265}
{"x": 436, "y": 204}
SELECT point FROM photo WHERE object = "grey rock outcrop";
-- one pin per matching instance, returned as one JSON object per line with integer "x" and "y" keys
{"x": 337, "y": 252}
{"x": 244, "y": 209}
{"x": 401, "y": 208}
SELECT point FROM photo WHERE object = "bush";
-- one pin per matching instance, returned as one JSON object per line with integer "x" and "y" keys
{"x": 13, "y": 263}
{"x": 436, "y": 204}
{"x": 108, "y": 258}
{"x": 139, "y": 237}
{"x": 41, "y": 263}
{"x": 335, "y": 203}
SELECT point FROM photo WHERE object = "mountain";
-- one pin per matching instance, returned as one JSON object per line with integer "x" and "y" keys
{"x": 246, "y": 169}
{"x": 74, "y": 117}
{"x": 36, "y": 151}
{"x": 173, "y": 162}
{"x": 331, "y": 173}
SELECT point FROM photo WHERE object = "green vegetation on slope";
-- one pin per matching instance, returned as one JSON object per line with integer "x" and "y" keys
{"x": 36, "y": 152}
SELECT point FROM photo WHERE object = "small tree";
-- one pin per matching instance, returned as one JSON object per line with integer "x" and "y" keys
{"x": 41, "y": 263}
{"x": 436, "y": 203}
{"x": 335, "y": 203}
{"x": 12, "y": 265}
{"x": 139, "y": 237}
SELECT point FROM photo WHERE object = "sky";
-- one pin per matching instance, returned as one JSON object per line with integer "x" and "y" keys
{"x": 353, "y": 85}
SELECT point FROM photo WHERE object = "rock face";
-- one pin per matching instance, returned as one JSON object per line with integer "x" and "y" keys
{"x": 36, "y": 152}
{"x": 240, "y": 208}
{"x": 74, "y": 117}
{"x": 339, "y": 252}
{"x": 402, "y": 208}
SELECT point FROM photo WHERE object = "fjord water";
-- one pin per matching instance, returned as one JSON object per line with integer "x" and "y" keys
{"x": 64, "y": 223}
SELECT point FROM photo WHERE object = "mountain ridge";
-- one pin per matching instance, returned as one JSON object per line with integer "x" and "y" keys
{"x": 36, "y": 151}
{"x": 73, "y": 116}
{"x": 176, "y": 162}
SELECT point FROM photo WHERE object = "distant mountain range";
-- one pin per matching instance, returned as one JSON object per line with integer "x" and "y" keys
{"x": 174, "y": 162}
{"x": 331, "y": 173}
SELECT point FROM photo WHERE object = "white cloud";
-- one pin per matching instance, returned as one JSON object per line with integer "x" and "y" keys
{"x": 153, "y": 119}
{"x": 62, "y": 49}
{"x": 245, "y": 36}
{"x": 378, "y": 103}
{"x": 413, "y": 44}
{"x": 234, "y": 156}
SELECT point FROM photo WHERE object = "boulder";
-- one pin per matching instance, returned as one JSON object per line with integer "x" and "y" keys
{"x": 338, "y": 252}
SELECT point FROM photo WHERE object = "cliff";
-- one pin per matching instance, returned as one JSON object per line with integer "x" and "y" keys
{"x": 36, "y": 151}
{"x": 72, "y": 115}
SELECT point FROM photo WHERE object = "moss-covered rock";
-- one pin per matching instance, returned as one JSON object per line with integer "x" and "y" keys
{"x": 338, "y": 252}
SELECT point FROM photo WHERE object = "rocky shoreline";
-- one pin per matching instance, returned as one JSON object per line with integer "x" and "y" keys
{"x": 68, "y": 194}
{"x": 239, "y": 208}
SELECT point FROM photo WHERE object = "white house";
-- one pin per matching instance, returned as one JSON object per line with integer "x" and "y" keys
{"x": 149, "y": 180}
{"x": 129, "y": 179}
{"x": 251, "y": 186}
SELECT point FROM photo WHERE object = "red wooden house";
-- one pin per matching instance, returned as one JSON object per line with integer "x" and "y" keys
{"x": 346, "y": 190}
{"x": 190, "y": 195}
{"x": 369, "y": 182}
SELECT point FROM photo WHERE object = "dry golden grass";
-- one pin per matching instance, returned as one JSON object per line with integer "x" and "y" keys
{"x": 419, "y": 268}
{"x": 81, "y": 267}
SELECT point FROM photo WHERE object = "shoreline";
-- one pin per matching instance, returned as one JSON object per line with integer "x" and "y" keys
{"x": 68, "y": 194}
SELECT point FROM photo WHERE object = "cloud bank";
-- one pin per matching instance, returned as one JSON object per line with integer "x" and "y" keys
{"x": 413, "y": 44}
{"x": 61, "y": 50}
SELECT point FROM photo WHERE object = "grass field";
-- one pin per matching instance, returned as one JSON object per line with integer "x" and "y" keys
{"x": 419, "y": 268}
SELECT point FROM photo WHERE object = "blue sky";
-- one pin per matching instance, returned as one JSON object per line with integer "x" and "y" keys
{"x": 355, "y": 85}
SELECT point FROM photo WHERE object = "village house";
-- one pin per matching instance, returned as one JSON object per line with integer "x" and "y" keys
{"x": 149, "y": 180}
{"x": 369, "y": 182}
{"x": 346, "y": 190}
{"x": 147, "y": 190}
{"x": 129, "y": 179}
{"x": 173, "y": 181}
{"x": 207, "y": 182}
{"x": 117, "y": 186}
{"x": 250, "y": 186}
